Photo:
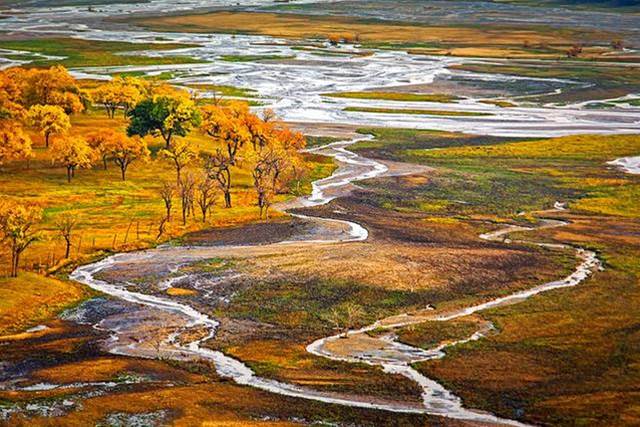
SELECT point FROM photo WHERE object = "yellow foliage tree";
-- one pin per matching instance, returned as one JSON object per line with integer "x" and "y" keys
{"x": 72, "y": 153}
{"x": 17, "y": 229}
{"x": 101, "y": 141}
{"x": 118, "y": 93}
{"x": 49, "y": 120}
{"x": 15, "y": 144}
{"x": 52, "y": 86}
{"x": 126, "y": 150}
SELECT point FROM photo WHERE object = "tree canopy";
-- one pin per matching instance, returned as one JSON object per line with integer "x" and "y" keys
{"x": 166, "y": 115}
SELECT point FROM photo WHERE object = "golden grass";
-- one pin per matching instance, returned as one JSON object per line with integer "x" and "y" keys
{"x": 181, "y": 292}
{"x": 300, "y": 26}
{"x": 30, "y": 298}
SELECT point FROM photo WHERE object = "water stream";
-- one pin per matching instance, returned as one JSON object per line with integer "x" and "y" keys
{"x": 396, "y": 357}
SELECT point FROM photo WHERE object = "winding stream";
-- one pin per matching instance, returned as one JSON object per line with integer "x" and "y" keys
{"x": 182, "y": 321}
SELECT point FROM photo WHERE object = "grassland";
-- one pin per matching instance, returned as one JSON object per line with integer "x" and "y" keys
{"x": 604, "y": 81}
{"x": 416, "y": 112}
{"x": 566, "y": 357}
{"x": 92, "y": 53}
{"x": 29, "y": 299}
{"x": 226, "y": 90}
{"x": 112, "y": 215}
{"x": 494, "y": 41}
{"x": 395, "y": 96}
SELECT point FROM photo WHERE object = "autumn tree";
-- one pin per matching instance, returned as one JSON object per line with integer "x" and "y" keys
{"x": 65, "y": 225}
{"x": 10, "y": 96}
{"x": 180, "y": 153}
{"x": 125, "y": 150}
{"x": 227, "y": 125}
{"x": 574, "y": 51}
{"x": 101, "y": 142}
{"x": 17, "y": 224}
{"x": 52, "y": 86}
{"x": 49, "y": 120}
{"x": 106, "y": 94}
{"x": 167, "y": 116}
{"x": 118, "y": 93}
{"x": 72, "y": 153}
{"x": 206, "y": 196}
{"x": 15, "y": 144}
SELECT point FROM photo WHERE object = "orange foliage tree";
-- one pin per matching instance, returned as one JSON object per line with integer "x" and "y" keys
{"x": 15, "y": 144}
{"x": 52, "y": 86}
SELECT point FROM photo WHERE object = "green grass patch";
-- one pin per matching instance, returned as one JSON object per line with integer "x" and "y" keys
{"x": 503, "y": 177}
{"x": 317, "y": 141}
{"x": 226, "y": 90}
{"x": 92, "y": 53}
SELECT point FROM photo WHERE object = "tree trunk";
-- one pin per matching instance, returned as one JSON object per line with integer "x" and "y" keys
{"x": 104, "y": 161}
{"x": 123, "y": 169}
{"x": 13, "y": 264}
{"x": 69, "y": 174}
{"x": 14, "y": 273}
{"x": 46, "y": 139}
{"x": 68, "y": 249}
{"x": 227, "y": 199}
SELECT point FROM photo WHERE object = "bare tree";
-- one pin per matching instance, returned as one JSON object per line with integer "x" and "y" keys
{"x": 161, "y": 227}
{"x": 167, "y": 191}
{"x": 187, "y": 190}
{"x": 65, "y": 226}
{"x": 206, "y": 196}
{"x": 217, "y": 166}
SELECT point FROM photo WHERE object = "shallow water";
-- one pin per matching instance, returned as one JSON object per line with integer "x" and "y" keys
{"x": 161, "y": 328}
{"x": 294, "y": 90}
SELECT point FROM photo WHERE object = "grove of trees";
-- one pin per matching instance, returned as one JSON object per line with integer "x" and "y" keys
{"x": 43, "y": 101}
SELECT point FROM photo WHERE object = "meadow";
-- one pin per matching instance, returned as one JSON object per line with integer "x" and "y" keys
{"x": 487, "y": 40}
{"x": 567, "y": 356}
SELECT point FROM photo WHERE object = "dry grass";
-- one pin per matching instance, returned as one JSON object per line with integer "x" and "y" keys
{"x": 29, "y": 299}
{"x": 300, "y": 26}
